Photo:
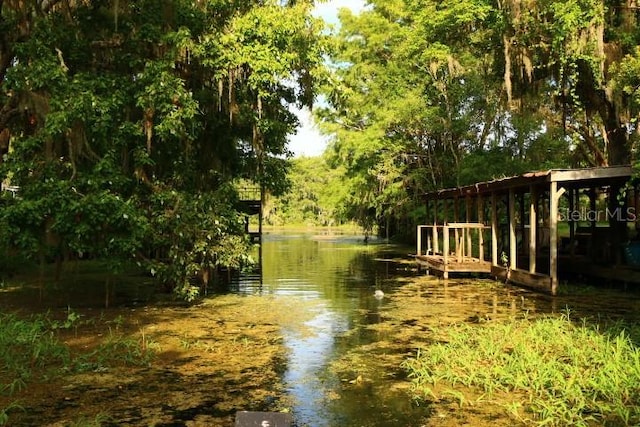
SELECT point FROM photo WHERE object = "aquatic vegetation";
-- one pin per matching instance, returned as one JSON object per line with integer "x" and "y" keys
{"x": 26, "y": 345}
{"x": 96, "y": 421}
{"x": 548, "y": 371}
{"x": 119, "y": 350}
{"x": 31, "y": 348}
{"x": 4, "y": 412}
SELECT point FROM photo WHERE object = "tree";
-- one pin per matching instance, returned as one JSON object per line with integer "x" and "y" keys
{"x": 429, "y": 94}
{"x": 579, "y": 54}
{"x": 314, "y": 197}
{"x": 125, "y": 124}
{"x": 406, "y": 106}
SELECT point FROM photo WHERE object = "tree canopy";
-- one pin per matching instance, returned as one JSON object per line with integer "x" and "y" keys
{"x": 126, "y": 123}
{"x": 429, "y": 94}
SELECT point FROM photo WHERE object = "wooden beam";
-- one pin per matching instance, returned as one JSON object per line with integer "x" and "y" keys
{"x": 533, "y": 225}
{"x": 468, "y": 246}
{"x": 481, "y": 232}
{"x": 494, "y": 229}
{"x": 591, "y": 173}
{"x": 522, "y": 277}
{"x": 513, "y": 250}
{"x": 553, "y": 236}
{"x": 445, "y": 251}
{"x": 435, "y": 237}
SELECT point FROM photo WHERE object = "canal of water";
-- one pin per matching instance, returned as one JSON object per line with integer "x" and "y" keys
{"x": 322, "y": 333}
{"x": 344, "y": 369}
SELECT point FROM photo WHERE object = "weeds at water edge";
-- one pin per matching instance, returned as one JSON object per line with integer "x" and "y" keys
{"x": 26, "y": 345}
{"x": 548, "y": 371}
{"x": 30, "y": 345}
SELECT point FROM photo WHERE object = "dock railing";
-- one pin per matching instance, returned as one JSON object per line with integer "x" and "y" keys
{"x": 436, "y": 240}
{"x": 250, "y": 193}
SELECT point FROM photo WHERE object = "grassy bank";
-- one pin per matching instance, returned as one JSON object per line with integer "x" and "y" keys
{"x": 547, "y": 371}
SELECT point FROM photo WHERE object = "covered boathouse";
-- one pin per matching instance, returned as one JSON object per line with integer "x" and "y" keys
{"x": 528, "y": 229}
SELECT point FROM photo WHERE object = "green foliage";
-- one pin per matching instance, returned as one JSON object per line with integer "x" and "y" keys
{"x": 406, "y": 106}
{"x": 4, "y": 412}
{"x": 116, "y": 350}
{"x": 553, "y": 370}
{"x": 29, "y": 346}
{"x": 216, "y": 241}
{"x": 96, "y": 421}
{"x": 26, "y": 345}
{"x": 432, "y": 94}
{"x": 314, "y": 197}
{"x": 129, "y": 121}
{"x": 72, "y": 321}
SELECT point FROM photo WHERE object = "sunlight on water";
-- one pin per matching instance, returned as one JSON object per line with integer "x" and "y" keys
{"x": 344, "y": 363}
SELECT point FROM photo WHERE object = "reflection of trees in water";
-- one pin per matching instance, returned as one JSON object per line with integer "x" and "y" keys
{"x": 333, "y": 265}
{"x": 325, "y": 264}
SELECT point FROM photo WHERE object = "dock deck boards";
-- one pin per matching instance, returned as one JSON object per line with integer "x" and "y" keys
{"x": 465, "y": 265}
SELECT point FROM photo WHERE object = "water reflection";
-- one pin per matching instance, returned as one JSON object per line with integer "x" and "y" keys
{"x": 309, "y": 356}
{"x": 344, "y": 363}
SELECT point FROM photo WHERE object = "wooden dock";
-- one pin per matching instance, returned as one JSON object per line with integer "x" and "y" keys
{"x": 251, "y": 202}
{"x": 508, "y": 227}
{"x": 466, "y": 265}
{"x": 452, "y": 248}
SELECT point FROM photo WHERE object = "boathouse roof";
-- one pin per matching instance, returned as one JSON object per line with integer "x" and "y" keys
{"x": 572, "y": 178}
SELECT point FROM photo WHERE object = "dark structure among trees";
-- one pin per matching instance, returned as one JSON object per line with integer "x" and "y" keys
{"x": 530, "y": 228}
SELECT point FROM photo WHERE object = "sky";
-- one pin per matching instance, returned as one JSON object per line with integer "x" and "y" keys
{"x": 308, "y": 141}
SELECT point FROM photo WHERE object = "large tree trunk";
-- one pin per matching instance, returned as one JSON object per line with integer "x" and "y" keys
{"x": 618, "y": 146}
{"x": 612, "y": 109}
{"x": 616, "y": 138}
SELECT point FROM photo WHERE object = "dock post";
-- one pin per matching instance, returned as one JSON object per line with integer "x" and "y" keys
{"x": 494, "y": 230}
{"x": 533, "y": 224}
{"x": 436, "y": 245}
{"x": 469, "y": 246}
{"x": 513, "y": 250}
{"x": 445, "y": 252}
{"x": 480, "y": 230}
{"x": 572, "y": 223}
{"x": 553, "y": 236}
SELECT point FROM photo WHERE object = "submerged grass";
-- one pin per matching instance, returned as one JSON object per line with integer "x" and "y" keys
{"x": 30, "y": 348}
{"x": 547, "y": 371}
{"x": 27, "y": 345}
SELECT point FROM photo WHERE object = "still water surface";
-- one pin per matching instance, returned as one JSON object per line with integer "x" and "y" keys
{"x": 344, "y": 360}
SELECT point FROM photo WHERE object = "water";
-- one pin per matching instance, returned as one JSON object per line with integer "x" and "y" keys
{"x": 344, "y": 369}
{"x": 340, "y": 275}
{"x": 316, "y": 296}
